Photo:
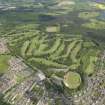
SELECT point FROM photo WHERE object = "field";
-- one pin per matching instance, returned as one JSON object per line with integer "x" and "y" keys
{"x": 4, "y": 64}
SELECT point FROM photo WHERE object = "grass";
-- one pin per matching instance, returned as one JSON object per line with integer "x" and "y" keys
{"x": 88, "y": 61}
{"x": 54, "y": 51}
{"x": 94, "y": 24}
{"x": 72, "y": 80}
{"x": 74, "y": 66}
{"x": 57, "y": 52}
{"x": 33, "y": 44}
{"x": 69, "y": 48}
{"x": 91, "y": 66}
{"x": 24, "y": 48}
{"x": 50, "y": 50}
{"x": 75, "y": 51}
{"x": 88, "y": 15}
{"x": 47, "y": 62}
{"x": 53, "y": 29}
{"x": 4, "y": 65}
{"x": 100, "y": 6}
{"x": 88, "y": 44}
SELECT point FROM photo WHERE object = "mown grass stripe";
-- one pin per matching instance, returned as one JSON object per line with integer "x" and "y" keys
{"x": 32, "y": 46}
{"x": 58, "y": 51}
{"x": 42, "y": 47}
{"x": 75, "y": 52}
{"x": 24, "y": 48}
{"x": 51, "y": 50}
{"x": 47, "y": 62}
{"x": 24, "y": 37}
{"x": 69, "y": 48}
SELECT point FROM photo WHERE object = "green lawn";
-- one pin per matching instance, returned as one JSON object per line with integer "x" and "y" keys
{"x": 72, "y": 80}
{"x": 4, "y": 63}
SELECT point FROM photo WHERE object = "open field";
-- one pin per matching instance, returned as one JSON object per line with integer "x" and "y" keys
{"x": 4, "y": 63}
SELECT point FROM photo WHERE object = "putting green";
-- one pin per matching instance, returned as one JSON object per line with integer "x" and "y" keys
{"x": 72, "y": 80}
